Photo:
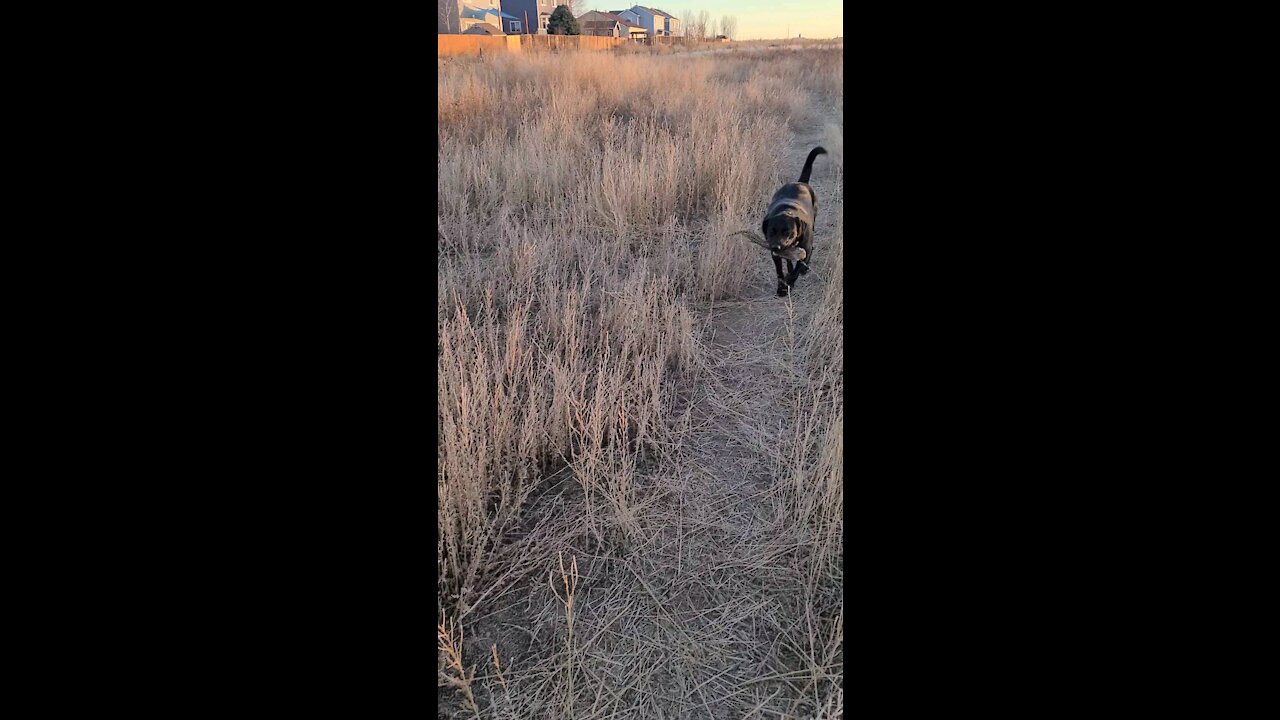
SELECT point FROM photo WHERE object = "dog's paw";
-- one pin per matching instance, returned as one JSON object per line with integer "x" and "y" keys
{"x": 783, "y": 290}
{"x": 804, "y": 267}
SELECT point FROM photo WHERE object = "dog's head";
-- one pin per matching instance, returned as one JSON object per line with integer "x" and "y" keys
{"x": 782, "y": 231}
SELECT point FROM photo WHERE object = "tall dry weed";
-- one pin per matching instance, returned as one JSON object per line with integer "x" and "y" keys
{"x": 584, "y": 206}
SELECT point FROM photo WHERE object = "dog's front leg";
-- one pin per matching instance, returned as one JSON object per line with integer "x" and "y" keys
{"x": 782, "y": 283}
{"x": 793, "y": 272}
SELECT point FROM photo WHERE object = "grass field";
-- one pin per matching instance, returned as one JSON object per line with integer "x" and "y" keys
{"x": 640, "y": 458}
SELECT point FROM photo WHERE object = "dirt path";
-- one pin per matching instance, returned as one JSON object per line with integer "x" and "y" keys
{"x": 732, "y": 587}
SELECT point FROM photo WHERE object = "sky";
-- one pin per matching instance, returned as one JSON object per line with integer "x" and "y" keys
{"x": 757, "y": 19}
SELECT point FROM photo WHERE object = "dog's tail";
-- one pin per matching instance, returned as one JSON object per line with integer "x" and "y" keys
{"x": 808, "y": 164}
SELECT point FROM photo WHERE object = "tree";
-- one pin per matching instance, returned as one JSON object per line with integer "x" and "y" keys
{"x": 563, "y": 22}
{"x": 696, "y": 26}
{"x": 447, "y": 17}
{"x": 729, "y": 26}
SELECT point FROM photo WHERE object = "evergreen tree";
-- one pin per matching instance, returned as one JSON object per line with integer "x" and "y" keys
{"x": 563, "y": 22}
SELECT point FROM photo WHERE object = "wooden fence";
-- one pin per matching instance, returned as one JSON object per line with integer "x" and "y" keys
{"x": 475, "y": 44}
{"x": 668, "y": 40}
{"x": 570, "y": 42}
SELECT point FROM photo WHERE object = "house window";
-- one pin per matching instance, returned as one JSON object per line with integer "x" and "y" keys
{"x": 513, "y": 27}
{"x": 544, "y": 19}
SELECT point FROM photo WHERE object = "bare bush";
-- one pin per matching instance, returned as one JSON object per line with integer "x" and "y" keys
{"x": 698, "y": 24}
{"x": 729, "y": 26}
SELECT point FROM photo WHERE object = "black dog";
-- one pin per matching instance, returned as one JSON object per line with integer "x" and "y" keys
{"x": 789, "y": 222}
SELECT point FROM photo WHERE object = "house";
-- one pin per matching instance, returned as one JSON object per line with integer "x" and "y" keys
{"x": 600, "y": 27}
{"x": 670, "y": 23}
{"x": 532, "y": 15}
{"x": 656, "y": 22}
{"x": 640, "y": 16}
{"x": 629, "y": 15}
{"x": 609, "y": 25}
{"x": 472, "y": 16}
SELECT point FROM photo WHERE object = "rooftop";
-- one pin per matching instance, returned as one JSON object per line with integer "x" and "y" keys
{"x": 613, "y": 15}
{"x": 483, "y": 28}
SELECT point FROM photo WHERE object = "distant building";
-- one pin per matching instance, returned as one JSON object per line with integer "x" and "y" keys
{"x": 533, "y": 15}
{"x": 655, "y": 22}
{"x": 456, "y": 16}
{"x": 600, "y": 28}
{"x": 609, "y": 25}
{"x": 670, "y": 23}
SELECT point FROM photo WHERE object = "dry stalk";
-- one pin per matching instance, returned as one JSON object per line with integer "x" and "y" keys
{"x": 449, "y": 644}
{"x": 570, "y": 581}
{"x": 502, "y": 680}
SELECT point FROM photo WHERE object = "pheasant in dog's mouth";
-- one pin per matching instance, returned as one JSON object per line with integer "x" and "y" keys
{"x": 794, "y": 253}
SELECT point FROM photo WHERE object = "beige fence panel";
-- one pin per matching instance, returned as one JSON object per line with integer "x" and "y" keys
{"x": 475, "y": 44}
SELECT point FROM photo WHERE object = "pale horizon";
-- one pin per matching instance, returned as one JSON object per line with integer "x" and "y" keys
{"x": 757, "y": 19}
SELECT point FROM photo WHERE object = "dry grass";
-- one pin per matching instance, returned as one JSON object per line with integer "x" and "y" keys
{"x": 588, "y": 403}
